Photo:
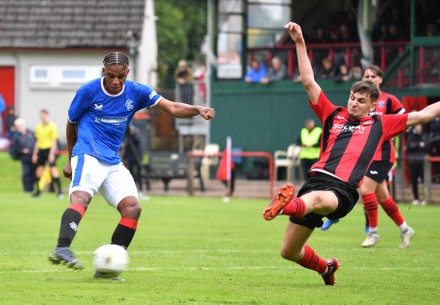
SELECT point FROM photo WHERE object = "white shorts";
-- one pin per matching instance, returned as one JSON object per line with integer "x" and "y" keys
{"x": 91, "y": 175}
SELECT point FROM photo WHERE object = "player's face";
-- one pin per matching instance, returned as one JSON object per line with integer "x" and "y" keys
{"x": 359, "y": 105}
{"x": 114, "y": 78}
{"x": 372, "y": 76}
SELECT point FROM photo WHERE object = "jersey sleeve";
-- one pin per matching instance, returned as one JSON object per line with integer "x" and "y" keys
{"x": 148, "y": 97}
{"x": 396, "y": 105}
{"x": 393, "y": 124}
{"x": 323, "y": 108}
{"x": 79, "y": 105}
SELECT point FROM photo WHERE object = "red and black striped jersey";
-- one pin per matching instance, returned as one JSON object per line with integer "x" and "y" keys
{"x": 387, "y": 104}
{"x": 348, "y": 146}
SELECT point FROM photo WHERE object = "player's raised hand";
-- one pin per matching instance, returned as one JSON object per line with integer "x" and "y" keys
{"x": 295, "y": 31}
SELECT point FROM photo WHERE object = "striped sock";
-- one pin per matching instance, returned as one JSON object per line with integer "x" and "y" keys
{"x": 312, "y": 261}
{"x": 295, "y": 208}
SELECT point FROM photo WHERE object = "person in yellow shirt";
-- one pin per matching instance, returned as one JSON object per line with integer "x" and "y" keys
{"x": 45, "y": 149}
{"x": 309, "y": 140}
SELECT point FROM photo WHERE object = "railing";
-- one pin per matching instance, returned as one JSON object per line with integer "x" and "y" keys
{"x": 263, "y": 154}
{"x": 384, "y": 52}
{"x": 194, "y": 93}
{"x": 402, "y": 179}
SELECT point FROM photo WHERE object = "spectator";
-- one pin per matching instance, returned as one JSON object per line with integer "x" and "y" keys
{"x": 131, "y": 152}
{"x": 343, "y": 74}
{"x": 45, "y": 150}
{"x": 327, "y": 70}
{"x": 417, "y": 144}
{"x": 435, "y": 147}
{"x": 22, "y": 145}
{"x": 356, "y": 73}
{"x": 256, "y": 72}
{"x": 277, "y": 71}
{"x": 10, "y": 122}
{"x": 321, "y": 37}
{"x": 309, "y": 140}
{"x": 184, "y": 77}
{"x": 199, "y": 75}
{"x": 2, "y": 108}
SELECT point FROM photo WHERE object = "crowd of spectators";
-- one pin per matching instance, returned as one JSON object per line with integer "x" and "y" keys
{"x": 342, "y": 63}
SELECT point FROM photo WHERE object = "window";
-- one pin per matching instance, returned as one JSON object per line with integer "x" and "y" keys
{"x": 242, "y": 24}
{"x": 63, "y": 75}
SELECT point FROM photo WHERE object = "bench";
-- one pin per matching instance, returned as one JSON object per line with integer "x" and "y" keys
{"x": 170, "y": 165}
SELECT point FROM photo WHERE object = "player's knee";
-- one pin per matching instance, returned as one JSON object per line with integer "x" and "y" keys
{"x": 129, "y": 207}
{"x": 290, "y": 254}
{"x": 82, "y": 198}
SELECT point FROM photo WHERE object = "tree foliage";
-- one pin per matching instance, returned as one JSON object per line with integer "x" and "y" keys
{"x": 181, "y": 28}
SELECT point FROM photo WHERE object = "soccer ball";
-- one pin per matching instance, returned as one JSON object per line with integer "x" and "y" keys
{"x": 110, "y": 260}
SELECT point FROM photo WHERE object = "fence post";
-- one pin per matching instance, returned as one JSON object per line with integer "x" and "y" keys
{"x": 427, "y": 179}
{"x": 190, "y": 174}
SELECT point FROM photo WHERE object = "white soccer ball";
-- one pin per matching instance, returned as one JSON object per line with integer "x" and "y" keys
{"x": 110, "y": 260}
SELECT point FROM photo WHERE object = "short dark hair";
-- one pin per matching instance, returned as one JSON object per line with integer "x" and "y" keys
{"x": 366, "y": 86}
{"x": 116, "y": 58}
{"x": 375, "y": 69}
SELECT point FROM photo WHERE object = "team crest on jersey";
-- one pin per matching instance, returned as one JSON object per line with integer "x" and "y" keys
{"x": 381, "y": 104}
{"x": 129, "y": 104}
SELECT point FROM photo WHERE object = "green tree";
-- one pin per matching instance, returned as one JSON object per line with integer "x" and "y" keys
{"x": 181, "y": 28}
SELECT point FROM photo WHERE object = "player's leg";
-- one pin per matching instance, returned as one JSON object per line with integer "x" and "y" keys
{"x": 56, "y": 179}
{"x": 392, "y": 210}
{"x": 284, "y": 203}
{"x": 120, "y": 191}
{"x": 295, "y": 249}
{"x": 81, "y": 192}
{"x": 43, "y": 155}
{"x": 369, "y": 200}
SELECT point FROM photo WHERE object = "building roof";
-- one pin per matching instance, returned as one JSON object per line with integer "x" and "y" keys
{"x": 56, "y": 24}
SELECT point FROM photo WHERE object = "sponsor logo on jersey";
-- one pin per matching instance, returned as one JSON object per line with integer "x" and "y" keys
{"x": 98, "y": 107}
{"x": 341, "y": 128}
{"x": 129, "y": 104}
{"x": 112, "y": 121}
{"x": 373, "y": 172}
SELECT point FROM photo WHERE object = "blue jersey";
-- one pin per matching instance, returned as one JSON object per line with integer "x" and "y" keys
{"x": 102, "y": 117}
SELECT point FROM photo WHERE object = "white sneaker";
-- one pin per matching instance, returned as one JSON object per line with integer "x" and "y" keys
{"x": 415, "y": 202}
{"x": 406, "y": 237}
{"x": 371, "y": 240}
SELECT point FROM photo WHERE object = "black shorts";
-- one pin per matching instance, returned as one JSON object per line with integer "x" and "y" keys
{"x": 347, "y": 198}
{"x": 378, "y": 170}
{"x": 43, "y": 158}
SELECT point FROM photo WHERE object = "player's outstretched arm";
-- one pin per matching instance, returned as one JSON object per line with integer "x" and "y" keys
{"x": 304, "y": 65}
{"x": 426, "y": 115}
{"x": 182, "y": 110}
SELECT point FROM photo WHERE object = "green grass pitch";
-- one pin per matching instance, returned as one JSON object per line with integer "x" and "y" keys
{"x": 204, "y": 251}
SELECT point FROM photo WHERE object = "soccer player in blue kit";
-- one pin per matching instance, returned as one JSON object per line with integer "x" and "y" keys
{"x": 350, "y": 138}
{"x": 97, "y": 119}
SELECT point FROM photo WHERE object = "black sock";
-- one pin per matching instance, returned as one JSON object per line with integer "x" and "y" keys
{"x": 123, "y": 236}
{"x": 69, "y": 225}
{"x": 58, "y": 184}
{"x": 37, "y": 186}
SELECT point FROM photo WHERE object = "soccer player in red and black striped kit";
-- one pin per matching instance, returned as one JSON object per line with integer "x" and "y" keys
{"x": 374, "y": 186}
{"x": 349, "y": 141}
